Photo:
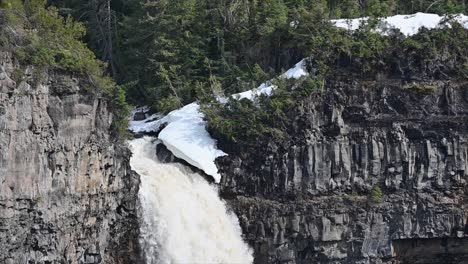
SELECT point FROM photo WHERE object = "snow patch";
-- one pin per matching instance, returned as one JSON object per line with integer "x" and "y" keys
{"x": 267, "y": 88}
{"x": 185, "y": 136}
{"x": 297, "y": 71}
{"x": 407, "y": 24}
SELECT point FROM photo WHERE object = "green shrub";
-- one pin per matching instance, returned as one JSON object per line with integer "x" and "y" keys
{"x": 258, "y": 74}
{"x": 311, "y": 85}
{"x": 17, "y": 75}
{"x": 376, "y": 195}
{"x": 433, "y": 54}
{"x": 422, "y": 87}
{"x": 355, "y": 197}
{"x": 167, "y": 104}
{"x": 266, "y": 118}
{"x": 121, "y": 111}
{"x": 49, "y": 41}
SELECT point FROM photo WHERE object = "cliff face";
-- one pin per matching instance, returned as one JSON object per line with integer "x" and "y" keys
{"x": 308, "y": 199}
{"x": 67, "y": 194}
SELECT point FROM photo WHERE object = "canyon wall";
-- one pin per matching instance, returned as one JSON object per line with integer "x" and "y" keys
{"x": 372, "y": 171}
{"x": 67, "y": 194}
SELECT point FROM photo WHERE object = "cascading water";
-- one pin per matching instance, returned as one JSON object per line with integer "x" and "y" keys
{"x": 183, "y": 218}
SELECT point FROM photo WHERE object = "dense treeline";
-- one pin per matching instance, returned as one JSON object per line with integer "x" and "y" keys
{"x": 168, "y": 53}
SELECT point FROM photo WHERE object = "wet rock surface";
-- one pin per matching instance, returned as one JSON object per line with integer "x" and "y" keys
{"x": 308, "y": 199}
{"x": 67, "y": 194}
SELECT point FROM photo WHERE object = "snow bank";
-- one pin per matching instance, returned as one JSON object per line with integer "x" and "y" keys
{"x": 407, "y": 24}
{"x": 185, "y": 136}
{"x": 185, "y": 132}
{"x": 297, "y": 71}
{"x": 265, "y": 88}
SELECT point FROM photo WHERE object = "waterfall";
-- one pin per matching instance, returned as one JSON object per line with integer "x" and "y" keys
{"x": 183, "y": 218}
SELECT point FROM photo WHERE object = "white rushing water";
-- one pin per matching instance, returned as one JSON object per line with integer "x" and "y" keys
{"x": 183, "y": 218}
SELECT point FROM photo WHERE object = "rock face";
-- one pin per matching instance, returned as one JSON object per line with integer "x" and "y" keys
{"x": 67, "y": 194}
{"x": 314, "y": 198}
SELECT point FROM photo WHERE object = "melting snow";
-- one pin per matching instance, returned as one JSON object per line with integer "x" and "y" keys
{"x": 185, "y": 136}
{"x": 297, "y": 71}
{"x": 407, "y": 24}
{"x": 267, "y": 88}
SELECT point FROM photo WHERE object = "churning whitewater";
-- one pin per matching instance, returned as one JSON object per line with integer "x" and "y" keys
{"x": 183, "y": 218}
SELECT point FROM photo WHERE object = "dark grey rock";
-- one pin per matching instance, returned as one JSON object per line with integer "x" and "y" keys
{"x": 139, "y": 116}
{"x": 307, "y": 199}
{"x": 67, "y": 194}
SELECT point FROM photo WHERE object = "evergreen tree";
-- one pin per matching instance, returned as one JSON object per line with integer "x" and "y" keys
{"x": 165, "y": 49}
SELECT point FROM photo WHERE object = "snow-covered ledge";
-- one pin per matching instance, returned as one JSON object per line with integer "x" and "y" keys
{"x": 185, "y": 132}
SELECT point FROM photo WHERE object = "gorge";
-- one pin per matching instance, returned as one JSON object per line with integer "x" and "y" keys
{"x": 356, "y": 154}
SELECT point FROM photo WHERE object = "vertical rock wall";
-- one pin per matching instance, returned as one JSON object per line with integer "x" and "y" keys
{"x": 308, "y": 199}
{"x": 67, "y": 194}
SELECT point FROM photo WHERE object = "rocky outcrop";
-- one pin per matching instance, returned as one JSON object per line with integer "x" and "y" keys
{"x": 67, "y": 194}
{"x": 314, "y": 198}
